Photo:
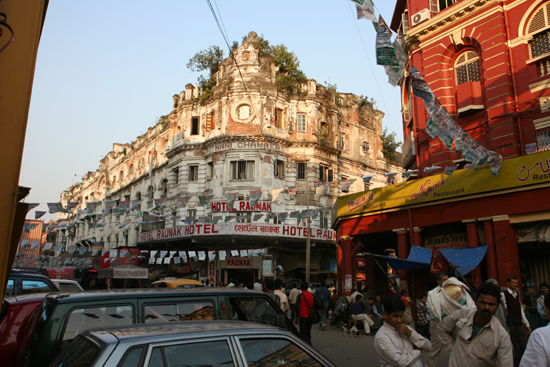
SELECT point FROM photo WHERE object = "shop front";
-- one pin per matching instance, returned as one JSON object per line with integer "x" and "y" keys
{"x": 467, "y": 209}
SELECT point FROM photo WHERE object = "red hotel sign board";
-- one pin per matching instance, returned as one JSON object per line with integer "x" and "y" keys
{"x": 238, "y": 229}
{"x": 238, "y": 262}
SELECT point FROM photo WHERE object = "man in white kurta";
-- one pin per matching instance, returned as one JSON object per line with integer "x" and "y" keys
{"x": 476, "y": 337}
{"x": 538, "y": 347}
{"x": 396, "y": 343}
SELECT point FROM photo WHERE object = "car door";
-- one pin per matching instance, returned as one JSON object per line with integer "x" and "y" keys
{"x": 278, "y": 350}
{"x": 214, "y": 351}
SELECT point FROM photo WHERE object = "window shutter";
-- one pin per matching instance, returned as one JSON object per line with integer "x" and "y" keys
{"x": 330, "y": 175}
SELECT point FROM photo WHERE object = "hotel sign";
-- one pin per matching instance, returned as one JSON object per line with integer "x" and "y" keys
{"x": 238, "y": 229}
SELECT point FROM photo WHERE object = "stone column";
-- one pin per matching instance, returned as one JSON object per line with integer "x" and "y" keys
{"x": 507, "y": 244}
{"x": 473, "y": 241}
{"x": 403, "y": 253}
{"x": 491, "y": 257}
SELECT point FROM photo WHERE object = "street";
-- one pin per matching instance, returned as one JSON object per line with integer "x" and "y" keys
{"x": 347, "y": 351}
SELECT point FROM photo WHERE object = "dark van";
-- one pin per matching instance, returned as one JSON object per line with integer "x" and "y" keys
{"x": 62, "y": 317}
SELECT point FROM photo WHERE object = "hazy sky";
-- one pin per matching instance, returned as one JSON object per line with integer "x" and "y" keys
{"x": 106, "y": 70}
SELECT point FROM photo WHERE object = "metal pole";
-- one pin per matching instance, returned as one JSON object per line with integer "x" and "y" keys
{"x": 308, "y": 245}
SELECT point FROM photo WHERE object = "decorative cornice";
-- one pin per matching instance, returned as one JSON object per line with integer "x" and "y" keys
{"x": 442, "y": 19}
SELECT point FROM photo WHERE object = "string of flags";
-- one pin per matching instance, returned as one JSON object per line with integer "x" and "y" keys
{"x": 440, "y": 124}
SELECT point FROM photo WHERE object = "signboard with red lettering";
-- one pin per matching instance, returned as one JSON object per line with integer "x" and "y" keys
{"x": 212, "y": 272}
{"x": 238, "y": 262}
{"x": 221, "y": 206}
{"x": 130, "y": 273}
{"x": 236, "y": 229}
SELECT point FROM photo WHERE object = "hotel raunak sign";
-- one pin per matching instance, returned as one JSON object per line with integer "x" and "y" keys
{"x": 238, "y": 229}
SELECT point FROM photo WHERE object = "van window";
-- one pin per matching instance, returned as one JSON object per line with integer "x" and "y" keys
{"x": 9, "y": 289}
{"x": 178, "y": 311}
{"x": 35, "y": 286}
{"x": 253, "y": 309}
{"x": 272, "y": 352}
{"x": 81, "y": 319}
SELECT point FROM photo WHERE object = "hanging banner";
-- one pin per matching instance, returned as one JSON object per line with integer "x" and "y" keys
{"x": 124, "y": 205}
{"x": 282, "y": 216}
{"x": 385, "y": 53}
{"x": 231, "y": 197}
{"x": 321, "y": 188}
{"x": 275, "y": 193}
{"x": 38, "y": 214}
{"x": 365, "y": 9}
{"x": 255, "y": 197}
{"x": 159, "y": 202}
{"x": 32, "y": 206}
{"x": 108, "y": 207}
{"x": 182, "y": 201}
{"x": 292, "y": 192}
{"x": 55, "y": 208}
{"x": 257, "y": 217}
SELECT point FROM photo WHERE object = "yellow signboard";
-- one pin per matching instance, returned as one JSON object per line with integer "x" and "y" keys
{"x": 515, "y": 172}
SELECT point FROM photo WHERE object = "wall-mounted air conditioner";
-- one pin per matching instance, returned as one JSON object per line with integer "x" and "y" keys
{"x": 421, "y": 16}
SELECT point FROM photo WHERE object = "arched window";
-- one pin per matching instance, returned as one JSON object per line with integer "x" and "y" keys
{"x": 131, "y": 170}
{"x": 469, "y": 97}
{"x": 150, "y": 193}
{"x": 539, "y": 32}
{"x": 121, "y": 175}
{"x": 467, "y": 68}
{"x": 138, "y": 195}
{"x": 164, "y": 188}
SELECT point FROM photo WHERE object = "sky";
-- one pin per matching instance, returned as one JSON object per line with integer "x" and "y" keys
{"x": 107, "y": 70}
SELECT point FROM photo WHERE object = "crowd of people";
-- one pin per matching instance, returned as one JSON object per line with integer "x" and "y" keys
{"x": 482, "y": 327}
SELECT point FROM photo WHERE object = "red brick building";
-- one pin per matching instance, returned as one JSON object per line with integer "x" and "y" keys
{"x": 488, "y": 63}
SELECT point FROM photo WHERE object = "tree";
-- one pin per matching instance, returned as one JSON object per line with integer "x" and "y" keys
{"x": 389, "y": 144}
{"x": 209, "y": 59}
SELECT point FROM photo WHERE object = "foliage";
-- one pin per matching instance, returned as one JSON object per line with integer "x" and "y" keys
{"x": 332, "y": 92}
{"x": 321, "y": 134}
{"x": 389, "y": 144}
{"x": 365, "y": 101}
{"x": 209, "y": 59}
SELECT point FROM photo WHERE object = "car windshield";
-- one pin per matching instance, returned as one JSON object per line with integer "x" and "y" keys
{"x": 80, "y": 353}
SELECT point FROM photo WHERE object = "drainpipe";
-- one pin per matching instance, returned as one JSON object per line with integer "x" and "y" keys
{"x": 513, "y": 68}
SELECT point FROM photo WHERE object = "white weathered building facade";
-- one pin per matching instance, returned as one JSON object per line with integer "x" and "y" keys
{"x": 247, "y": 136}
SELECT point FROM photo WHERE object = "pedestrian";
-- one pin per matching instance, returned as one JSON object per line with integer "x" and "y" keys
{"x": 305, "y": 302}
{"x": 519, "y": 326}
{"x": 278, "y": 285}
{"x": 477, "y": 338}
{"x": 396, "y": 343}
{"x": 449, "y": 296}
{"x": 423, "y": 324}
{"x": 357, "y": 310}
{"x": 294, "y": 292}
{"x": 258, "y": 286}
{"x": 354, "y": 293}
{"x": 407, "y": 317}
{"x": 537, "y": 352}
{"x": 501, "y": 311}
{"x": 369, "y": 310}
{"x": 323, "y": 296}
{"x": 543, "y": 288}
{"x": 378, "y": 307}
{"x": 269, "y": 290}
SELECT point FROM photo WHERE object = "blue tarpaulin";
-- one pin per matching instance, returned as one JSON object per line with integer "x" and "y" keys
{"x": 465, "y": 259}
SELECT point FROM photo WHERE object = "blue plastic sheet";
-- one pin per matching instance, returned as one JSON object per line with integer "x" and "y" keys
{"x": 465, "y": 259}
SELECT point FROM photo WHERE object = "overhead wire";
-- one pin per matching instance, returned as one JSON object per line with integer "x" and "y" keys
{"x": 370, "y": 63}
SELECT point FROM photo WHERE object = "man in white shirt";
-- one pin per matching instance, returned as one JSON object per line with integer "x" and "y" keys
{"x": 294, "y": 292}
{"x": 278, "y": 284}
{"x": 431, "y": 359}
{"x": 396, "y": 343}
{"x": 538, "y": 348}
{"x": 476, "y": 337}
{"x": 520, "y": 326}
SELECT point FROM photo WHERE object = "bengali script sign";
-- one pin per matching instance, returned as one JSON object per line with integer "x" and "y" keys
{"x": 123, "y": 273}
{"x": 515, "y": 172}
{"x": 246, "y": 229}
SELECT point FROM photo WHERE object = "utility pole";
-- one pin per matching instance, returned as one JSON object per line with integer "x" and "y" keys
{"x": 308, "y": 245}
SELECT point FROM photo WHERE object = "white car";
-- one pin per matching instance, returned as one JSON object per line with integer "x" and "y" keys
{"x": 66, "y": 285}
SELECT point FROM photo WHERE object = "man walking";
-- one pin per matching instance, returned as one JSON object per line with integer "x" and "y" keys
{"x": 323, "y": 296}
{"x": 294, "y": 292}
{"x": 538, "y": 348}
{"x": 476, "y": 337}
{"x": 304, "y": 303}
{"x": 435, "y": 319}
{"x": 278, "y": 284}
{"x": 520, "y": 326}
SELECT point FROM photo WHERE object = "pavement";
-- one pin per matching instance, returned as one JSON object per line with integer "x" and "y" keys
{"x": 345, "y": 351}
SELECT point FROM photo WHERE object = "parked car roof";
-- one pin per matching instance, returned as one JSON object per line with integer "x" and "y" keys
{"x": 144, "y": 292}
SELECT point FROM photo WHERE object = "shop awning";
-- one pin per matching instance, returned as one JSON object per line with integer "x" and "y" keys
{"x": 465, "y": 259}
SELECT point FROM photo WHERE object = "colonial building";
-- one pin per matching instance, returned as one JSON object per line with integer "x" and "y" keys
{"x": 487, "y": 62}
{"x": 235, "y": 171}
